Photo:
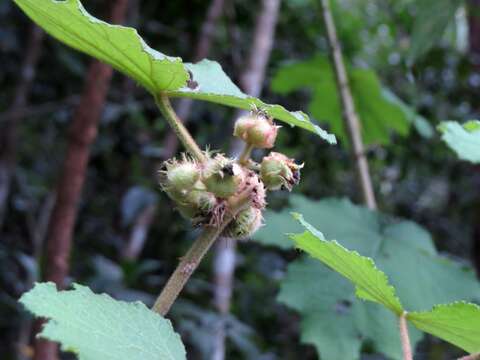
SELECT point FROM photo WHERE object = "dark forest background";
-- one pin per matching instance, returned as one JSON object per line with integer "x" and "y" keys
{"x": 127, "y": 238}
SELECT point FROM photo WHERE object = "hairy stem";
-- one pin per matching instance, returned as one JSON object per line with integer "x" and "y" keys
{"x": 350, "y": 116}
{"x": 405, "y": 338}
{"x": 195, "y": 254}
{"x": 245, "y": 155}
{"x": 163, "y": 103}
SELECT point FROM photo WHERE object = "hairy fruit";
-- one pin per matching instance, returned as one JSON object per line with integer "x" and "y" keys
{"x": 246, "y": 223}
{"x": 222, "y": 176}
{"x": 278, "y": 171}
{"x": 256, "y": 129}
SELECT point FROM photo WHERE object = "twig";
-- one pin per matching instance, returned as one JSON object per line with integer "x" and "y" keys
{"x": 404, "y": 337}
{"x": 245, "y": 155}
{"x": 178, "y": 128}
{"x": 350, "y": 116}
{"x": 195, "y": 254}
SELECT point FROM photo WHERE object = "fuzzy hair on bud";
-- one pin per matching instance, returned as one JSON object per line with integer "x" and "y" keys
{"x": 256, "y": 129}
{"x": 222, "y": 176}
{"x": 246, "y": 223}
{"x": 279, "y": 172}
{"x": 179, "y": 175}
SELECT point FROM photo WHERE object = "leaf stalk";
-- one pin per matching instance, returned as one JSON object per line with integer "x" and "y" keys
{"x": 164, "y": 105}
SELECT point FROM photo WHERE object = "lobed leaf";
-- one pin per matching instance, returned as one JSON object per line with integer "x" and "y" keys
{"x": 99, "y": 327}
{"x": 463, "y": 139}
{"x": 370, "y": 283}
{"x": 126, "y": 51}
{"x": 402, "y": 249}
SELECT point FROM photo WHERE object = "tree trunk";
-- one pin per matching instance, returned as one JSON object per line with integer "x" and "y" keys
{"x": 251, "y": 82}
{"x": 8, "y": 130}
{"x": 82, "y": 133}
{"x": 202, "y": 49}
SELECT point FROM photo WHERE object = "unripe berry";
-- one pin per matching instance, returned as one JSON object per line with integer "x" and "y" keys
{"x": 197, "y": 205}
{"x": 178, "y": 177}
{"x": 256, "y": 129}
{"x": 278, "y": 171}
{"x": 246, "y": 223}
{"x": 183, "y": 175}
{"x": 222, "y": 176}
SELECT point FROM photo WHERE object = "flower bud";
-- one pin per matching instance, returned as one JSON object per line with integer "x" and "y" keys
{"x": 222, "y": 176}
{"x": 278, "y": 171}
{"x": 246, "y": 223}
{"x": 256, "y": 129}
{"x": 179, "y": 176}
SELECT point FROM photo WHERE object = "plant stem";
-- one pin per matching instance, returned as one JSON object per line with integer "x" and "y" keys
{"x": 245, "y": 155}
{"x": 163, "y": 103}
{"x": 350, "y": 116}
{"x": 195, "y": 254}
{"x": 404, "y": 337}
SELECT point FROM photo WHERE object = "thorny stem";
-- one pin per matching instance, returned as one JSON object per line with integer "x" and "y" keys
{"x": 245, "y": 155}
{"x": 195, "y": 254}
{"x": 163, "y": 103}
{"x": 350, "y": 116}
{"x": 404, "y": 337}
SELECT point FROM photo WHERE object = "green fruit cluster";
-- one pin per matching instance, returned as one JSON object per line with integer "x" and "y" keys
{"x": 201, "y": 191}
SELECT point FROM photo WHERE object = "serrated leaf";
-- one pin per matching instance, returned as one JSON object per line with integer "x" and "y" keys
{"x": 127, "y": 52}
{"x": 458, "y": 323}
{"x": 370, "y": 283}
{"x": 463, "y": 139}
{"x": 119, "y": 46}
{"x": 402, "y": 249}
{"x": 335, "y": 321}
{"x": 99, "y": 327}
{"x": 379, "y": 115}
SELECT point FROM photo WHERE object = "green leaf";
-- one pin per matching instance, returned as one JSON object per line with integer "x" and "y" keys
{"x": 458, "y": 323}
{"x": 431, "y": 21}
{"x": 335, "y": 321}
{"x": 421, "y": 124}
{"x": 379, "y": 114}
{"x": 127, "y": 52}
{"x": 99, "y": 327}
{"x": 402, "y": 249}
{"x": 116, "y": 45}
{"x": 370, "y": 283}
{"x": 463, "y": 139}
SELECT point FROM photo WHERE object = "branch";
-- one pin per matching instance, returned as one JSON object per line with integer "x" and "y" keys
{"x": 350, "y": 116}
{"x": 404, "y": 337}
{"x": 195, "y": 254}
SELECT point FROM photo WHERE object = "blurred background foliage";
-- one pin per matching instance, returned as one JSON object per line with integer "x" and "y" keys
{"x": 411, "y": 64}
